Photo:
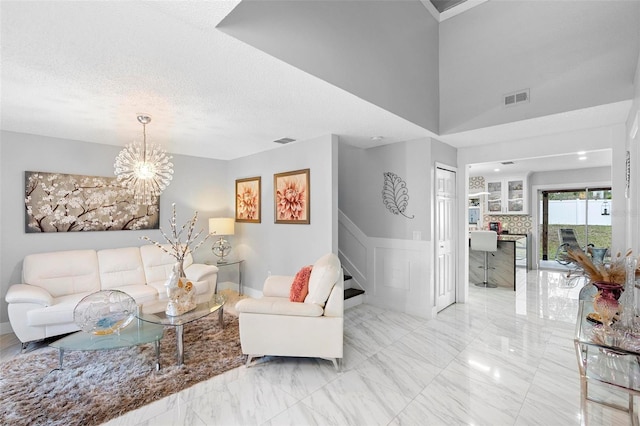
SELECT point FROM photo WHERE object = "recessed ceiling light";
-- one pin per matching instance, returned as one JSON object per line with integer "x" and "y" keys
{"x": 581, "y": 152}
{"x": 582, "y": 158}
{"x": 377, "y": 138}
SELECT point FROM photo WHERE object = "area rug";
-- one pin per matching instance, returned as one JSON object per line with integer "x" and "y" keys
{"x": 95, "y": 387}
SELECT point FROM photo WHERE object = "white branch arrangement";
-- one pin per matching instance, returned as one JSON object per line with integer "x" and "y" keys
{"x": 179, "y": 249}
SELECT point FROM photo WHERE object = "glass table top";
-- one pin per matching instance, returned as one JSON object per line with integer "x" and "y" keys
{"x": 136, "y": 333}
{"x": 155, "y": 313}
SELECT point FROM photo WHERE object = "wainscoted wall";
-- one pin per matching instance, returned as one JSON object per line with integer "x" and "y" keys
{"x": 395, "y": 274}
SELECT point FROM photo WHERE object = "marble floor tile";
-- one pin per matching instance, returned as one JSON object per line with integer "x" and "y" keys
{"x": 250, "y": 400}
{"x": 353, "y": 399}
{"x": 503, "y": 358}
{"x": 398, "y": 370}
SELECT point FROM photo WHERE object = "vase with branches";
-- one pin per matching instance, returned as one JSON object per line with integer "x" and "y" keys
{"x": 180, "y": 291}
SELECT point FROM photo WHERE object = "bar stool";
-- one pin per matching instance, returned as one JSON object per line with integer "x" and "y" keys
{"x": 486, "y": 241}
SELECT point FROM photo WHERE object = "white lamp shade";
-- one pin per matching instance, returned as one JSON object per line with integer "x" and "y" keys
{"x": 222, "y": 225}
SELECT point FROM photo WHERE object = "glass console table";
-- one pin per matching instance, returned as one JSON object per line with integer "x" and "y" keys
{"x": 610, "y": 358}
{"x": 235, "y": 263}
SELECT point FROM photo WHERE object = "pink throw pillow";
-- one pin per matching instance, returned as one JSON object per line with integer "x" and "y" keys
{"x": 300, "y": 285}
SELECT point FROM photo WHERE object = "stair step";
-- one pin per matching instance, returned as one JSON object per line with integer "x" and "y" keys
{"x": 347, "y": 277}
{"x": 352, "y": 292}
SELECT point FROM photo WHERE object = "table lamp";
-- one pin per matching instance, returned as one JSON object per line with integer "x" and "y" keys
{"x": 221, "y": 226}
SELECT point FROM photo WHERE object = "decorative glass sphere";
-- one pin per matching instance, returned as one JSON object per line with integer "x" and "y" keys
{"x": 104, "y": 312}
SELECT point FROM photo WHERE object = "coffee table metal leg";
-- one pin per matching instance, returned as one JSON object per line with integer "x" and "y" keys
{"x": 157, "y": 346}
{"x": 179, "y": 331}
{"x": 221, "y": 318}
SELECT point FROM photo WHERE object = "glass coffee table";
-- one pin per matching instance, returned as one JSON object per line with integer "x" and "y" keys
{"x": 155, "y": 314}
{"x": 136, "y": 333}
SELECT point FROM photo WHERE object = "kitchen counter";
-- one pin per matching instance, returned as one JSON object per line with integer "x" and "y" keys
{"x": 512, "y": 253}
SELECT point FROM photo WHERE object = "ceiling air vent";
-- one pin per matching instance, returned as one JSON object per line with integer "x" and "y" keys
{"x": 284, "y": 141}
{"x": 506, "y": 163}
{"x": 516, "y": 98}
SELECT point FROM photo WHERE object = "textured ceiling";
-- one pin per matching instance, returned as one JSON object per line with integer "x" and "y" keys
{"x": 83, "y": 70}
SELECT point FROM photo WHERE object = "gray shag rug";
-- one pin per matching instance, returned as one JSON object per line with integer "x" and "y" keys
{"x": 95, "y": 387}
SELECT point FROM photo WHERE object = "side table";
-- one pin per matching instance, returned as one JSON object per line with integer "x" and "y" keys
{"x": 234, "y": 263}
{"x": 608, "y": 363}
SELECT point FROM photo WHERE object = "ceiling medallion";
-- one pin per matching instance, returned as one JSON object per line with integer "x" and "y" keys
{"x": 145, "y": 171}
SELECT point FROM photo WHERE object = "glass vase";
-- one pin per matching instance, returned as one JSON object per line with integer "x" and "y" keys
{"x": 606, "y": 302}
{"x": 628, "y": 299}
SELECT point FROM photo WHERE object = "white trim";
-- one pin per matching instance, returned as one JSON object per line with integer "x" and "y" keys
{"x": 456, "y": 10}
{"x": 458, "y": 296}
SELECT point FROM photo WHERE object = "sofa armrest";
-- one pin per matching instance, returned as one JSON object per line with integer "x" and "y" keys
{"x": 200, "y": 271}
{"x": 278, "y": 306}
{"x": 25, "y": 293}
{"x": 277, "y": 286}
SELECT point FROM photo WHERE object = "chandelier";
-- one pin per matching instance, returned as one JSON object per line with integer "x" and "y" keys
{"x": 145, "y": 171}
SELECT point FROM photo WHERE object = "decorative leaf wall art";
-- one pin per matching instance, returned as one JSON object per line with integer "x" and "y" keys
{"x": 395, "y": 194}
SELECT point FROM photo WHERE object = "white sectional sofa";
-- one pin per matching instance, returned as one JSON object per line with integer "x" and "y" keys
{"x": 53, "y": 283}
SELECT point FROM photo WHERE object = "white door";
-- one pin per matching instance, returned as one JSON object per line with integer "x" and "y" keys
{"x": 445, "y": 238}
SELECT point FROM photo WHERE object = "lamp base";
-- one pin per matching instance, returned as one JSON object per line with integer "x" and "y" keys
{"x": 221, "y": 248}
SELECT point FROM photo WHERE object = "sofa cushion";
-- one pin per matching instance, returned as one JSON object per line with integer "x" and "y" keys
{"x": 198, "y": 271}
{"x": 278, "y": 306}
{"x": 120, "y": 267}
{"x": 300, "y": 285}
{"x": 324, "y": 275}
{"x": 159, "y": 264}
{"x": 24, "y": 293}
{"x": 63, "y": 273}
{"x": 141, "y": 293}
{"x": 61, "y": 312}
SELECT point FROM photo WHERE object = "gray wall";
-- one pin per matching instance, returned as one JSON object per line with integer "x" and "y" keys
{"x": 581, "y": 177}
{"x": 488, "y": 52}
{"x": 198, "y": 184}
{"x": 361, "y": 183}
{"x": 282, "y": 249}
{"x": 633, "y": 146}
{"x": 385, "y": 52}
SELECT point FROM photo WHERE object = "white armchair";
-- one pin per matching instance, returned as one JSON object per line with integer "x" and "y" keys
{"x": 272, "y": 325}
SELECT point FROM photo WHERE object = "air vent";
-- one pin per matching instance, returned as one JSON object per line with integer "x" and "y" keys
{"x": 516, "y": 98}
{"x": 285, "y": 141}
{"x": 507, "y": 162}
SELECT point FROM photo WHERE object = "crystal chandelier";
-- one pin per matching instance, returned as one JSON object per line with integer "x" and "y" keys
{"x": 146, "y": 172}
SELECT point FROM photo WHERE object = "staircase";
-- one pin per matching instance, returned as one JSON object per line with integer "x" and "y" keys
{"x": 352, "y": 296}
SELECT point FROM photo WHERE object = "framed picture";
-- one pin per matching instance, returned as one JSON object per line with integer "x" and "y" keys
{"x": 59, "y": 202}
{"x": 292, "y": 196}
{"x": 248, "y": 199}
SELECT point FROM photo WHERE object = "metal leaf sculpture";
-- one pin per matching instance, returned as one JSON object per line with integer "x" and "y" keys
{"x": 395, "y": 194}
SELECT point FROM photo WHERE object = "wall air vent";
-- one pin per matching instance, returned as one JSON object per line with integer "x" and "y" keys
{"x": 506, "y": 163}
{"x": 284, "y": 141}
{"x": 516, "y": 98}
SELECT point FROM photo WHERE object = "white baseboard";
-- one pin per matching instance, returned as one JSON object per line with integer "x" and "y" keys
{"x": 226, "y": 285}
{"x": 5, "y": 328}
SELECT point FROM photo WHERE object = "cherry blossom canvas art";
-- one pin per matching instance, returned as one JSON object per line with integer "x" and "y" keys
{"x": 57, "y": 202}
{"x": 292, "y": 196}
